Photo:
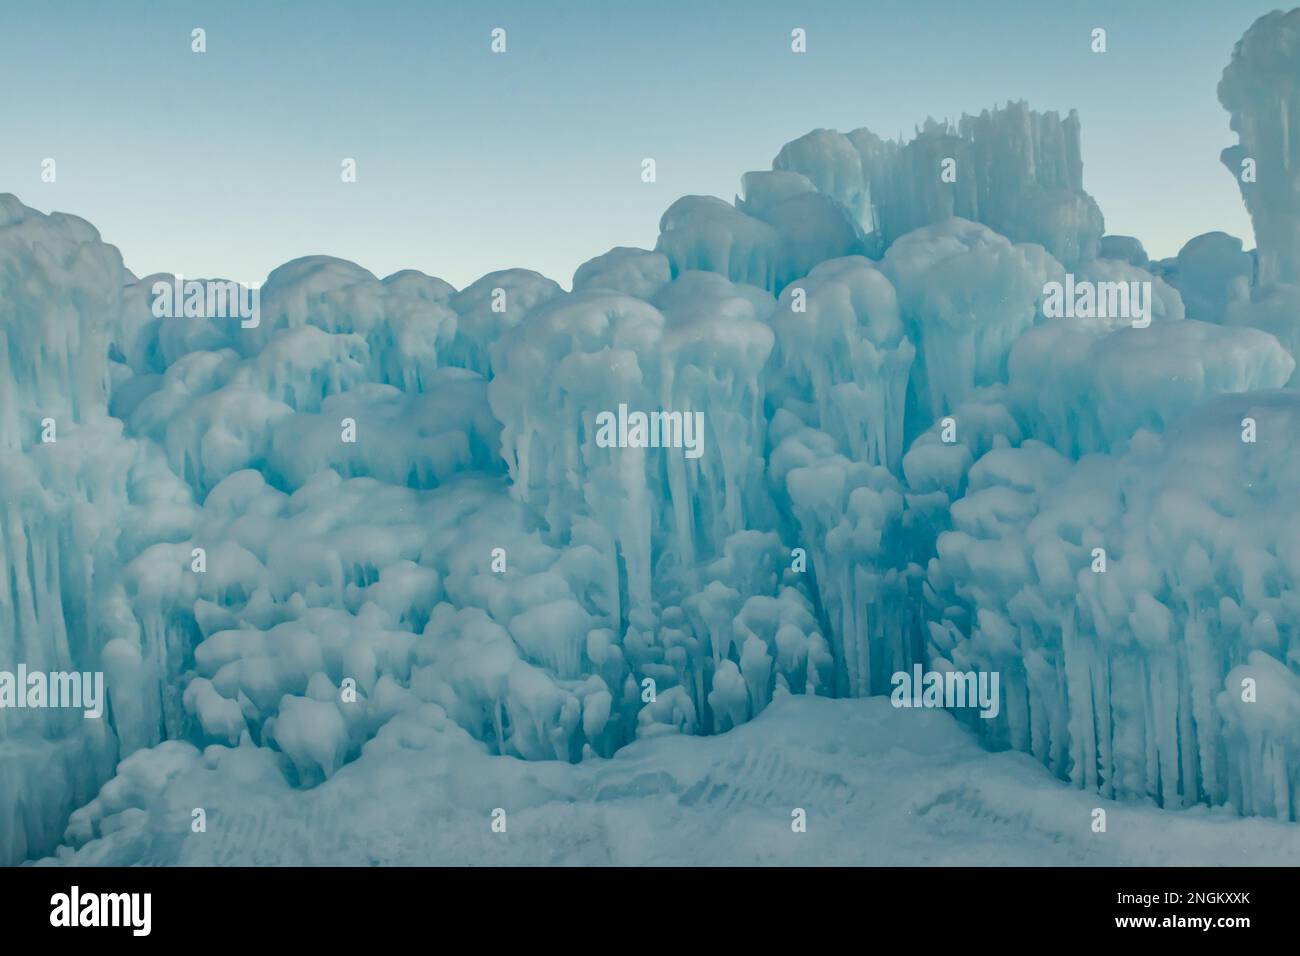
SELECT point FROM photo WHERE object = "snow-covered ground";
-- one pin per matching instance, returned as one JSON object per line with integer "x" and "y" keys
{"x": 880, "y": 786}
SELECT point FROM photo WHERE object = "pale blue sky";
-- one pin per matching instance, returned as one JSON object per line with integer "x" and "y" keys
{"x": 227, "y": 163}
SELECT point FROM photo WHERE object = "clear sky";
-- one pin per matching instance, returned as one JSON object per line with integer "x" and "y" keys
{"x": 227, "y": 163}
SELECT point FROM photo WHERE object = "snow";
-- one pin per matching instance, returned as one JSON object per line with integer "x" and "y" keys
{"x": 909, "y": 786}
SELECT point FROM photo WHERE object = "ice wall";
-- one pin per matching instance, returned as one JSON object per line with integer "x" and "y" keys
{"x": 1015, "y": 170}
{"x": 1124, "y": 597}
{"x": 78, "y": 497}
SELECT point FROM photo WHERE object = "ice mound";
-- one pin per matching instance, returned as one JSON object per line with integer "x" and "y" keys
{"x": 1015, "y": 170}
{"x": 1117, "y": 595}
{"x": 1272, "y": 310}
{"x": 706, "y": 233}
{"x": 966, "y": 294}
{"x": 489, "y": 307}
{"x": 1196, "y": 361}
{"x": 1213, "y": 273}
{"x": 829, "y": 162}
{"x": 842, "y": 343}
{"x": 848, "y": 515}
{"x": 1125, "y": 248}
{"x": 635, "y": 272}
{"x": 80, "y": 498}
{"x": 62, "y": 289}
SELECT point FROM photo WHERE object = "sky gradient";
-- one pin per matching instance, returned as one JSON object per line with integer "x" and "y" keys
{"x": 227, "y": 163}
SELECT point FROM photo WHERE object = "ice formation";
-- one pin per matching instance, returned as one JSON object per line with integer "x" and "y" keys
{"x": 376, "y": 524}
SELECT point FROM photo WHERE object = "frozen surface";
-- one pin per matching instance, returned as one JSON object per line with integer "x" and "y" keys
{"x": 910, "y": 788}
{"x": 1259, "y": 89}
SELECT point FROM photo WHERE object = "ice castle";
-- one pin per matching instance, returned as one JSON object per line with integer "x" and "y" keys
{"x": 368, "y": 552}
